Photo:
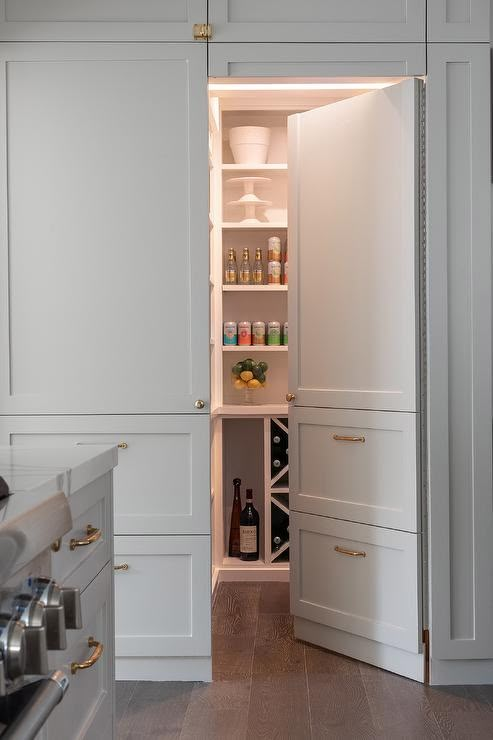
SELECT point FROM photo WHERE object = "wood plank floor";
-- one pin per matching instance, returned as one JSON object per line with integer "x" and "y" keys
{"x": 268, "y": 685}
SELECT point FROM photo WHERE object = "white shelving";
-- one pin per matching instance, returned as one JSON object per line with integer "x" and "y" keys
{"x": 279, "y": 167}
{"x": 255, "y": 348}
{"x": 262, "y": 225}
{"x": 259, "y": 409}
{"x": 255, "y": 288}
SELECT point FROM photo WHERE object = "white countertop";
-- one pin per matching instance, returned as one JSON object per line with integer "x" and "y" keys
{"x": 40, "y": 481}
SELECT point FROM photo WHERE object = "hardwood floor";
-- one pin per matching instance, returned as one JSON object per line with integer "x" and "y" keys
{"x": 268, "y": 685}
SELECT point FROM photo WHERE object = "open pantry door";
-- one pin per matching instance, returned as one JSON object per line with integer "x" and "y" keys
{"x": 354, "y": 242}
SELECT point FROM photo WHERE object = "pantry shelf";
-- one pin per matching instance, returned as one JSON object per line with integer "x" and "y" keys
{"x": 257, "y": 348}
{"x": 258, "y": 409}
{"x": 276, "y": 167}
{"x": 255, "y": 288}
{"x": 272, "y": 225}
{"x": 282, "y": 549}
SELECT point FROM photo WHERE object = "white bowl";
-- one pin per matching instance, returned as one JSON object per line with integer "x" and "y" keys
{"x": 249, "y": 144}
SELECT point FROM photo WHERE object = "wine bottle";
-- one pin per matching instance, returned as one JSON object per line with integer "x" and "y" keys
{"x": 249, "y": 529}
{"x": 234, "y": 530}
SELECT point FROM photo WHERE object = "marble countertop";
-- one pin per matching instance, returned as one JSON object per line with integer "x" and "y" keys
{"x": 41, "y": 481}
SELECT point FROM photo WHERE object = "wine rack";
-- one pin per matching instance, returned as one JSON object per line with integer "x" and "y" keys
{"x": 279, "y": 489}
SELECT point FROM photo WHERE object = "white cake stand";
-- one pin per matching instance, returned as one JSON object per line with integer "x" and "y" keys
{"x": 249, "y": 201}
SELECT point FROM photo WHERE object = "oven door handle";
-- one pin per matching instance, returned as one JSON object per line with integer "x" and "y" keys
{"x": 31, "y": 719}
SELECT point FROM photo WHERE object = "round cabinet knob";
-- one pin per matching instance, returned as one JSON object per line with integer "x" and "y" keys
{"x": 290, "y": 397}
{"x": 199, "y": 404}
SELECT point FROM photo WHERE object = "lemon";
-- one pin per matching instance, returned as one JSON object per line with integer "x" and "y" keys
{"x": 239, "y": 383}
{"x": 254, "y": 383}
{"x": 246, "y": 375}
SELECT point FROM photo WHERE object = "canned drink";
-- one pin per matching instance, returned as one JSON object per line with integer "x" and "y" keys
{"x": 274, "y": 273}
{"x": 274, "y": 249}
{"x": 258, "y": 332}
{"x": 285, "y": 333}
{"x": 244, "y": 333}
{"x": 273, "y": 333}
{"x": 230, "y": 333}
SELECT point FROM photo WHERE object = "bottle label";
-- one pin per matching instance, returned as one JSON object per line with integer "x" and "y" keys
{"x": 244, "y": 277}
{"x": 248, "y": 539}
{"x": 230, "y": 277}
{"x": 258, "y": 277}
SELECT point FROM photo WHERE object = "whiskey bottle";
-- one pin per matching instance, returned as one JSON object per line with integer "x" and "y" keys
{"x": 231, "y": 270}
{"x": 258, "y": 268}
{"x": 234, "y": 530}
{"x": 245, "y": 271}
{"x": 249, "y": 529}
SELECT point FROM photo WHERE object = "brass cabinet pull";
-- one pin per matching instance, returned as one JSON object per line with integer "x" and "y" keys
{"x": 56, "y": 545}
{"x": 122, "y": 566}
{"x": 202, "y": 31}
{"x": 93, "y": 535}
{"x": 122, "y": 445}
{"x": 343, "y": 438}
{"x": 353, "y": 553}
{"x": 199, "y": 404}
{"x": 290, "y": 397}
{"x": 93, "y": 658}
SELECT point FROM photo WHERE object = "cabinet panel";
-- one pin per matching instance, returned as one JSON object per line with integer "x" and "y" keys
{"x": 374, "y": 595}
{"x": 355, "y": 465}
{"x": 100, "y": 20}
{"x": 459, "y": 20}
{"x": 161, "y": 483}
{"x": 316, "y": 60}
{"x": 86, "y": 710}
{"x": 354, "y": 207}
{"x": 171, "y": 575}
{"x": 459, "y": 351}
{"x": 318, "y": 20}
{"x": 104, "y": 292}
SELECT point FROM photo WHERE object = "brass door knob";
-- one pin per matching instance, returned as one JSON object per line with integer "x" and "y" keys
{"x": 199, "y": 404}
{"x": 290, "y": 397}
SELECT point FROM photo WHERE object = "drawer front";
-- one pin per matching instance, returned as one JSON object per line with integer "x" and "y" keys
{"x": 161, "y": 483}
{"x": 76, "y": 564}
{"x": 163, "y": 599}
{"x": 355, "y": 465}
{"x": 374, "y": 596}
{"x": 87, "y": 708}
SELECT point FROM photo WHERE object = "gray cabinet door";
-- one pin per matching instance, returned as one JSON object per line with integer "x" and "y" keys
{"x": 459, "y": 353}
{"x": 318, "y": 20}
{"x": 104, "y": 263}
{"x": 100, "y": 20}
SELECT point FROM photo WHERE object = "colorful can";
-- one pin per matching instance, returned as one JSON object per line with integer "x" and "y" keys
{"x": 274, "y": 333}
{"x": 285, "y": 333}
{"x": 230, "y": 333}
{"x": 274, "y": 249}
{"x": 274, "y": 273}
{"x": 258, "y": 332}
{"x": 285, "y": 272}
{"x": 244, "y": 333}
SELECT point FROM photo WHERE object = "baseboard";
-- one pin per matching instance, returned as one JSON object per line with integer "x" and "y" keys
{"x": 390, "y": 658}
{"x": 163, "y": 669}
{"x": 454, "y": 672}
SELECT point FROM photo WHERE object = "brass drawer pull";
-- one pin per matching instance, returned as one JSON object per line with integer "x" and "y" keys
{"x": 353, "y": 553}
{"x": 56, "y": 545}
{"x": 122, "y": 445}
{"x": 98, "y": 651}
{"x": 343, "y": 438}
{"x": 122, "y": 566}
{"x": 93, "y": 535}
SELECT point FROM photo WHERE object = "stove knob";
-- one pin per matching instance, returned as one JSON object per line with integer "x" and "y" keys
{"x": 12, "y": 647}
{"x": 48, "y": 592}
{"x": 31, "y": 612}
{"x": 72, "y": 608}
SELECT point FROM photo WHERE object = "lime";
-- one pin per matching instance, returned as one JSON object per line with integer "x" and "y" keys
{"x": 248, "y": 364}
{"x": 263, "y": 366}
{"x": 261, "y": 378}
{"x": 237, "y": 369}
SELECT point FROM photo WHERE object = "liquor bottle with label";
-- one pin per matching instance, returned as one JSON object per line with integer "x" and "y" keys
{"x": 231, "y": 270}
{"x": 249, "y": 529}
{"x": 258, "y": 268}
{"x": 234, "y": 530}
{"x": 245, "y": 271}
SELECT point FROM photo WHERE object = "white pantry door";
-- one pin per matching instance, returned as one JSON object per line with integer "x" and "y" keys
{"x": 104, "y": 259}
{"x": 353, "y": 234}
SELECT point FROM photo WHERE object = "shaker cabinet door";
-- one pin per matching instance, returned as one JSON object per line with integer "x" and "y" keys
{"x": 318, "y": 20}
{"x": 354, "y": 238}
{"x": 104, "y": 263}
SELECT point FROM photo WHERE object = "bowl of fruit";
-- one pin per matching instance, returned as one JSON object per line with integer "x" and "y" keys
{"x": 249, "y": 377}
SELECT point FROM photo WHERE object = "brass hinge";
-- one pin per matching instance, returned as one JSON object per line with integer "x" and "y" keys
{"x": 426, "y": 643}
{"x": 202, "y": 31}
